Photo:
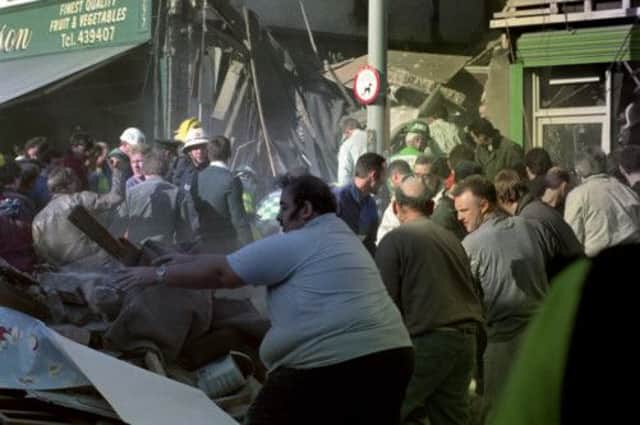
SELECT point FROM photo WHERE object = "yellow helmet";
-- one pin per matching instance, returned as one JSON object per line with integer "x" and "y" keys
{"x": 181, "y": 133}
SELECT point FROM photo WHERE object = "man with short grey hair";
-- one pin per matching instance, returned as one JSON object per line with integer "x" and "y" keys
{"x": 156, "y": 209}
{"x": 601, "y": 211}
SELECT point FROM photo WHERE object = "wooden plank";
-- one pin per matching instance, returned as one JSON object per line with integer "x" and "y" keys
{"x": 26, "y": 417}
{"x": 228, "y": 90}
{"x": 588, "y": 6}
{"x": 237, "y": 104}
{"x": 524, "y": 12}
{"x": 14, "y": 275}
{"x": 561, "y": 18}
{"x": 527, "y": 3}
{"x": 121, "y": 250}
{"x": 256, "y": 86}
{"x": 12, "y": 298}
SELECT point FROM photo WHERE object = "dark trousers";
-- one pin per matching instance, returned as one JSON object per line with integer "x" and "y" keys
{"x": 367, "y": 390}
{"x": 439, "y": 387}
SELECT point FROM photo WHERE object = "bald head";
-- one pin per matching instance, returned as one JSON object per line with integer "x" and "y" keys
{"x": 413, "y": 200}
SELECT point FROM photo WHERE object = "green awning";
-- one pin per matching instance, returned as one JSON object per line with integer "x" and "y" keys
{"x": 579, "y": 46}
{"x": 24, "y": 75}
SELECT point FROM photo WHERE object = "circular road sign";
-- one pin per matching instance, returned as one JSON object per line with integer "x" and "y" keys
{"x": 367, "y": 84}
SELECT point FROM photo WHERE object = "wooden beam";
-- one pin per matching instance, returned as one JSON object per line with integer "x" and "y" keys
{"x": 561, "y": 18}
{"x": 15, "y": 299}
{"x": 256, "y": 87}
{"x": 121, "y": 250}
{"x": 227, "y": 92}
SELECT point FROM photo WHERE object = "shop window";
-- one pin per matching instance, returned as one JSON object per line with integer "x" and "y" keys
{"x": 574, "y": 92}
{"x": 571, "y": 110}
{"x": 564, "y": 140}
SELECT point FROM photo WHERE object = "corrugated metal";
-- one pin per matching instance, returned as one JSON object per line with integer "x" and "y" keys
{"x": 581, "y": 46}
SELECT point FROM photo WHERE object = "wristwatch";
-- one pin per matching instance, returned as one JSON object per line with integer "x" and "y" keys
{"x": 161, "y": 273}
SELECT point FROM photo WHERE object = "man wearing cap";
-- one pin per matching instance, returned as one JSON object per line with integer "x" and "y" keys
{"x": 195, "y": 152}
{"x": 428, "y": 275}
{"x": 415, "y": 140}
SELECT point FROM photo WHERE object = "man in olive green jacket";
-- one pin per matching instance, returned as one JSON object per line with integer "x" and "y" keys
{"x": 494, "y": 151}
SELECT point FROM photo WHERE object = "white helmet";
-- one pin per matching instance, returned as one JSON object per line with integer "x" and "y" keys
{"x": 195, "y": 137}
{"x": 132, "y": 136}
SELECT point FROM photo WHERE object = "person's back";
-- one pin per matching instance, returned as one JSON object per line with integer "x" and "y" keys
{"x": 562, "y": 246}
{"x": 218, "y": 199}
{"x": 436, "y": 269}
{"x": 567, "y": 381}
{"x": 603, "y": 213}
{"x": 56, "y": 239}
{"x": 159, "y": 211}
{"x": 350, "y": 150}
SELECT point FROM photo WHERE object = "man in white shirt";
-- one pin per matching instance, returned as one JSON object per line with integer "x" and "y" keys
{"x": 354, "y": 145}
{"x": 601, "y": 211}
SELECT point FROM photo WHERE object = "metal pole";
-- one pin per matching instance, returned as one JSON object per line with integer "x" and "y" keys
{"x": 376, "y": 123}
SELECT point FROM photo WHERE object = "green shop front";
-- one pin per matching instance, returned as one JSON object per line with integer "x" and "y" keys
{"x": 569, "y": 88}
{"x": 73, "y": 63}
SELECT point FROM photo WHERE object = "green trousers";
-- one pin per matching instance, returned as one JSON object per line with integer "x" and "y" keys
{"x": 439, "y": 387}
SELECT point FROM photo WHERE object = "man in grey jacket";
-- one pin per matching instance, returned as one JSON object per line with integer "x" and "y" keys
{"x": 508, "y": 262}
{"x": 559, "y": 243}
{"x": 156, "y": 209}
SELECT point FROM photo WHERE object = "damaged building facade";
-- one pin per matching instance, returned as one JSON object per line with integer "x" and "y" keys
{"x": 569, "y": 72}
{"x": 245, "y": 69}
{"x": 261, "y": 81}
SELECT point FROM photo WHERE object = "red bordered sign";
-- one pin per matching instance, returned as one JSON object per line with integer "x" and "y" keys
{"x": 367, "y": 85}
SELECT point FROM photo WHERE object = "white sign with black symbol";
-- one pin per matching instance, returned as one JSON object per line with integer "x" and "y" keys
{"x": 367, "y": 84}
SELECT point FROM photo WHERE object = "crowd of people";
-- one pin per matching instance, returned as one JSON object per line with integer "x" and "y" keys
{"x": 396, "y": 287}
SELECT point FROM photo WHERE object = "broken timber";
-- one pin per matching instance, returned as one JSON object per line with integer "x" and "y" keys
{"x": 120, "y": 249}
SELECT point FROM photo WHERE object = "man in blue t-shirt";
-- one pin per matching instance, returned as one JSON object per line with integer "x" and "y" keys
{"x": 332, "y": 320}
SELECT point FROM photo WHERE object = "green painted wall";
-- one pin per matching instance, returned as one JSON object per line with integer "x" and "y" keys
{"x": 516, "y": 103}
